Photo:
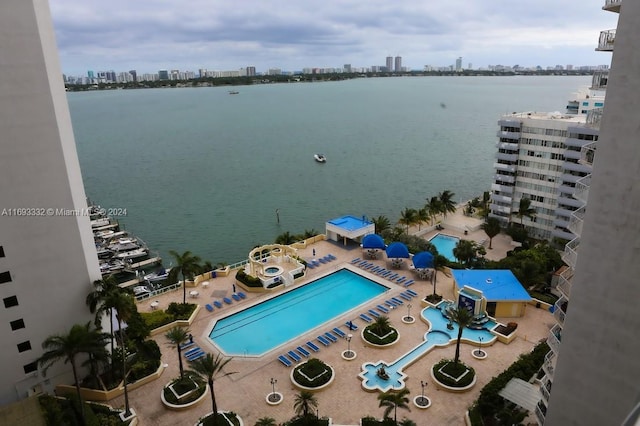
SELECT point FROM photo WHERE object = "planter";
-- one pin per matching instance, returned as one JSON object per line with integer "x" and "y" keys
{"x": 479, "y": 354}
{"x": 317, "y": 388}
{"x": 186, "y": 406}
{"x": 274, "y": 398}
{"x": 451, "y": 388}
{"x": 375, "y": 345}
{"x": 349, "y": 355}
{"x": 224, "y": 413}
{"x": 422, "y": 402}
{"x": 408, "y": 320}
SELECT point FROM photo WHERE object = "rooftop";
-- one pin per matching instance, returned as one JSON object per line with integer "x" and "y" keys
{"x": 499, "y": 285}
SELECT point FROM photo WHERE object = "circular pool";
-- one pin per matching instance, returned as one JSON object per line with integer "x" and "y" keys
{"x": 272, "y": 271}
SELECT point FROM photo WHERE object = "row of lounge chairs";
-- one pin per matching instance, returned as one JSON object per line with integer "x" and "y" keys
{"x": 296, "y": 355}
{"x": 194, "y": 353}
{"x": 315, "y": 263}
{"x": 218, "y": 304}
{"x": 394, "y": 302}
{"x": 383, "y": 272}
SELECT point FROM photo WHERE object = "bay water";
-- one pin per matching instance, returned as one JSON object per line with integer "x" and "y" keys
{"x": 202, "y": 170}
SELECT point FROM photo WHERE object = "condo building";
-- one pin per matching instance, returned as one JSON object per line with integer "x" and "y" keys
{"x": 47, "y": 257}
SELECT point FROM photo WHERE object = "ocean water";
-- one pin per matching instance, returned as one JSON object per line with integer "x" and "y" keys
{"x": 198, "y": 169}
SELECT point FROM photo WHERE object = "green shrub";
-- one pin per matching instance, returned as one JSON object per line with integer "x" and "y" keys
{"x": 156, "y": 319}
{"x": 248, "y": 280}
{"x": 312, "y": 368}
{"x": 544, "y": 297}
{"x": 372, "y": 338}
{"x": 208, "y": 421}
{"x": 372, "y": 421}
{"x": 455, "y": 370}
{"x": 181, "y": 311}
{"x": 182, "y": 386}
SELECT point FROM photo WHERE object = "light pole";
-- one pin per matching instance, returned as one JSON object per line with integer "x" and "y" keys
{"x": 273, "y": 386}
{"x": 349, "y": 337}
{"x": 423, "y": 400}
{"x": 409, "y": 312}
{"x": 479, "y": 346}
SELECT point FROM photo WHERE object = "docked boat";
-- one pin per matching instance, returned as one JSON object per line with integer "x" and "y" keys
{"x": 320, "y": 158}
{"x": 160, "y": 275}
{"x": 233, "y": 92}
{"x": 132, "y": 254}
{"x": 124, "y": 244}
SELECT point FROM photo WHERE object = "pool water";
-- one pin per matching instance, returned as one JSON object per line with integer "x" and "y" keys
{"x": 445, "y": 245}
{"x": 262, "y": 327}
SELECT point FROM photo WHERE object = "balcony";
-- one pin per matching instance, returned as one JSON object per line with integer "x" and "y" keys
{"x": 566, "y": 201}
{"x": 582, "y": 189}
{"x": 605, "y": 43}
{"x": 509, "y": 146}
{"x": 564, "y": 282}
{"x": 587, "y": 154}
{"x": 599, "y": 80}
{"x": 508, "y": 135}
{"x": 577, "y": 219}
{"x": 512, "y": 158}
{"x": 541, "y": 410}
{"x": 505, "y": 189}
{"x": 500, "y": 198}
{"x": 549, "y": 364}
{"x": 577, "y": 167}
{"x": 554, "y": 339}
{"x": 505, "y": 167}
{"x": 562, "y": 233}
{"x": 504, "y": 178}
{"x": 612, "y": 5}
{"x": 560, "y": 309}
{"x": 545, "y": 390}
{"x": 570, "y": 254}
{"x": 500, "y": 209}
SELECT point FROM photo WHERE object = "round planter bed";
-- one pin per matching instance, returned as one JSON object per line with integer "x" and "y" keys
{"x": 381, "y": 341}
{"x": 274, "y": 398}
{"x": 312, "y": 371}
{"x": 190, "y": 401}
{"x": 449, "y": 387}
{"x": 422, "y": 402}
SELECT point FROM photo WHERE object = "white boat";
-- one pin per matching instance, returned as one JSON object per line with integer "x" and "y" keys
{"x": 160, "y": 275}
{"x": 132, "y": 254}
{"x": 320, "y": 158}
{"x": 124, "y": 244}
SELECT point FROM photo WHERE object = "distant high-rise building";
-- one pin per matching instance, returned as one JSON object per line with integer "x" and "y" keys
{"x": 91, "y": 75}
{"x": 134, "y": 75}
{"x": 398, "y": 63}
{"x": 347, "y": 68}
{"x": 163, "y": 75}
{"x": 251, "y": 71}
{"x": 459, "y": 64}
{"x": 389, "y": 63}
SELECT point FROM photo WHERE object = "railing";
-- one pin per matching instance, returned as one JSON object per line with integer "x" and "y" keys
{"x": 162, "y": 290}
{"x": 577, "y": 220}
{"x": 504, "y": 178}
{"x": 599, "y": 80}
{"x": 612, "y": 5}
{"x": 540, "y": 415}
{"x": 545, "y": 393}
{"x": 582, "y": 188}
{"x": 506, "y": 167}
{"x": 549, "y": 364}
{"x": 587, "y": 154}
{"x": 565, "y": 280}
{"x": 558, "y": 313}
{"x": 555, "y": 336}
{"x": 607, "y": 38}
{"x": 502, "y": 188}
{"x": 570, "y": 254}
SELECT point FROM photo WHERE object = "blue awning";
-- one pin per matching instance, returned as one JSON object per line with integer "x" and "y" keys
{"x": 397, "y": 250}
{"x": 423, "y": 260}
{"x": 373, "y": 241}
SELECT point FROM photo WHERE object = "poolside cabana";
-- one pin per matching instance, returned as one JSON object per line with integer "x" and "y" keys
{"x": 494, "y": 291}
{"x": 371, "y": 244}
{"x": 423, "y": 264}
{"x": 396, "y": 253}
{"x": 347, "y": 228}
{"x": 274, "y": 263}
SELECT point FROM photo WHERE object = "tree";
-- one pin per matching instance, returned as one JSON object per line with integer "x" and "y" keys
{"x": 439, "y": 264}
{"x": 381, "y": 325}
{"x": 393, "y": 401}
{"x": 177, "y": 336}
{"x": 100, "y": 302}
{"x": 422, "y": 216}
{"x": 187, "y": 265}
{"x": 266, "y": 421}
{"x": 524, "y": 210}
{"x": 125, "y": 308}
{"x": 381, "y": 223}
{"x": 210, "y": 368}
{"x": 407, "y": 217}
{"x": 447, "y": 205}
{"x": 463, "y": 317}
{"x": 467, "y": 251}
{"x": 407, "y": 422}
{"x": 434, "y": 207}
{"x": 80, "y": 339}
{"x": 492, "y": 228}
{"x": 304, "y": 402}
{"x": 285, "y": 238}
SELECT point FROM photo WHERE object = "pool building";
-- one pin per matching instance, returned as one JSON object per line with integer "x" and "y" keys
{"x": 348, "y": 227}
{"x": 494, "y": 291}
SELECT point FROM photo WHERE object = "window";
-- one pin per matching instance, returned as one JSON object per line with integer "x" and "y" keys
{"x": 30, "y": 368}
{"x": 585, "y": 103}
{"x": 10, "y": 301}
{"x": 5, "y": 277}
{"x": 17, "y": 324}
{"x": 599, "y": 104}
{"x": 1, "y": 251}
{"x": 24, "y": 346}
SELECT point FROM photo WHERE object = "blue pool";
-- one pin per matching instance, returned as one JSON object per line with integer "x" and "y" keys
{"x": 445, "y": 245}
{"x": 262, "y": 327}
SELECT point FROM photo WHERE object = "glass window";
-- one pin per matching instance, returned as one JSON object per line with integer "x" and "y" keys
{"x": 17, "y": 324}
{"x": 24, "y": 346}
{"x": 10, "y": 301}
{"x": 30, "y": 368}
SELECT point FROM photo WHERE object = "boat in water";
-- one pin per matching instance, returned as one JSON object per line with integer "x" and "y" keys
{"x": 160, "y": 275}
{"x": 233, "y": 92}
{"x": 320, "y": 158}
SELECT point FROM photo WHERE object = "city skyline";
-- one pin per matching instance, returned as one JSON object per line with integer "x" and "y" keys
{"x": 155, "y": 35}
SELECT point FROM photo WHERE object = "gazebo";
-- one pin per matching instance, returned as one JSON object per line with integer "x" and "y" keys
{"x": 371, "y": 244}
{"x": 397, "y": 252}
{"x": 422, "y": 263}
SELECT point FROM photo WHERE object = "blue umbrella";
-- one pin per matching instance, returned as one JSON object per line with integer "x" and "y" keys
{"x": 423, "y": 260}
{"x": 397, "y": 250}
{"x": 373, "y": 241}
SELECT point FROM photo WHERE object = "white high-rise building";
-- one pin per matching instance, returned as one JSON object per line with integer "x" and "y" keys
{"x": 47, "y": 255}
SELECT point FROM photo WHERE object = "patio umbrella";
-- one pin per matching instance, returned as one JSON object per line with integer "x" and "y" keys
{"x": 373, "y": 241}
{"x": 423, "y": 260}
{"x": 397, "y": 250}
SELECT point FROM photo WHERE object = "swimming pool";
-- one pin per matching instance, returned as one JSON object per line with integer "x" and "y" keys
{"x": 262, "y": 327}
{"x": 445, "y": 245}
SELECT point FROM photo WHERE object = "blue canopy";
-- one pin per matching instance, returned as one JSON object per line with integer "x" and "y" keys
{"x": 373, "y": 241}
{"x": 423, "y": 260}
{"x": 397, "y": 250}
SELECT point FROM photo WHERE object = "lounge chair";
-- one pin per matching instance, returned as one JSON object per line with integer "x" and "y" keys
{"x": 310, "y": 265}
{"x": 339, "y": 332}
{"x": 373, "y": 313}
{"x": 192, "y": 350}
{"x": 365, "y": 318}
{"x": 316, "y": 263}
{"x": 411, "y": 292}
{"x": 382, "y": 309}
{"x": 323, "y": 340}
{"x": 209, "y": 307}
{"x": 312, "y": 346}
{"x": 398, "y": 301}
{"x": 186, "y": 345}
{"x": 401, "y": 279}
{"x": 327, "y": 258}
{"x": 405, "y": 296}
{"x": 227, "y": 300}
{"x": 303, "y": 351}
{"x": 197, "y": 355}
{"x": 356, "y": 260}
{"x": 390, "y": 304}
{"x": 375, "y": 269}
{"x": 330, "y": 337}
{"x": 284, "y": 360}
{"x": 217, "y": 304}
{"x": 235, "y": 297}
{"x": 294, "y": 356}
{"x": 408, "y": 283}
{"x": 392, "y": 277}
{"x": 331, "y": 257}
{"x": 321, "y": 260}
{"x": 242, "y": 295}
{"x": 351, "y": 325}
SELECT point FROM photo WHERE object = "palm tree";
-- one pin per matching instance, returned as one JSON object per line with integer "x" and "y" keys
{"x": 466, "y": 251}
{"x": 439, "y": 264}
{"x": 407, "y": 217}
{"x": 80, "y": 339}
{"x": 463, "y": 317}
{"x": 187, "y": 265}
{"x": 393, "y": 401}
{"x": 422, "y": 216}
{"x": 177, "y": 336}
{"x": 125, "y": 308}
{"x": 100, "y": 301}
{"x": 447, "y": 203}
{"x": 210, "y": 368}
{"x": 285, "y": 238}
{"x": 525, "y": 209}
{"x": 407, "y": 422}
{"x": 381, "y": 223}
{"x": 266, "y": 421}
{"x": 492, "y": 228}
{"x": 381, "y": 325}
{"x": 305, "y": 401}
{"x": 434, "y": 207}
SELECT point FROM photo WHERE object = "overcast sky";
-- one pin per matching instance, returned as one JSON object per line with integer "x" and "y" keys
{"x": 149, "y": 35}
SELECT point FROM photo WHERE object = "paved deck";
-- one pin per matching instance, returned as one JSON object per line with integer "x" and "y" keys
{"x": 345, "y": 400}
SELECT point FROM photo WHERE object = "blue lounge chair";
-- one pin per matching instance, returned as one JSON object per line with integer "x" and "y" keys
{"x": 217, "y": 304}
{"x": 411, "y": 292}
{"x": 328, "y": 258}
{"x": 398, "y": 301}
{"x": 284, "y": 360}
{"x": 362, "y": 262}
{"x": 294, "y": 356}
{"x": 186, "y": 345}
{"x": 312, "y": 346}
{"x": 192, "y": 350}
{"x": 375, "y": 269}
{"x": 339, "y": 332}
{"x": 401, "y": 279}
{"x": 242, "y": 295}
{"x": 382, "y": 309}
{"x": 408, "y": 283}
{"x": 209, "y": 307}
{"x": 386, "y": 274}
{"x": 323, "y": 340}
{"x": 227, "y": 300}
{"x": 390, "y": 304}
{"x": 365, "y": 318}
{"x": 310, "y": 265}
{"x": 331, "y": 337}
{"x": 356, "y": 260}
{"x": 321, "y": 260}
{"x": 235, "y": 297}
{"x": 405, "y": 296}
{"x": 392, "y": 277}
{"x": 197, "y": 355}
{"x": 316, "y": 263}
{"x": 351, "y": 325}
{"x": 303, "y": 351}
{"x": 374, "y": 313}
{"x": 331, "y": 257}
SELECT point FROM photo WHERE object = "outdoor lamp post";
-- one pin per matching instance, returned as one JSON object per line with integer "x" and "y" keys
{"x": 480, "y": 345}
{"x": 422, "y": 385}
{"x": 273, "y": 385}
{"x": 349, "y": 337}
{"x": 409, "y": 311}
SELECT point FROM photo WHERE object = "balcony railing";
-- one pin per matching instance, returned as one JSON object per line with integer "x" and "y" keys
{"x": 504, "y": 178}
{"x": 505, "y": 189}
{"x": 560, "y": 309}
{"x": 554, "y": 339}
{"x": 507, "y": 156}
{"x": 549, "y": 364}
{"x": 509, "y": 146}
{"x": 505, "y": 167}
{"x": 587, "y": 154}
{"x": 599, "y": 80}
{"x": 501, "y": 198}
{"x": 540, "y": 416}
{"x": 577, "y": 219}
{"x": 612, "y": 5}
{"x": 605, "y": 43}
{"x": 565, "y": 282}
{"x": 570, "y": 254}
{"x": 582, "y": 189}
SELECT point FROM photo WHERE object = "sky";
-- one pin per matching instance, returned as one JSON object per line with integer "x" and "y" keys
{"x": 149, "y": 35}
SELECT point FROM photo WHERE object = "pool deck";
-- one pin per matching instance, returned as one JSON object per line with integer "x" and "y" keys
{"x": 344, "y": 401}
